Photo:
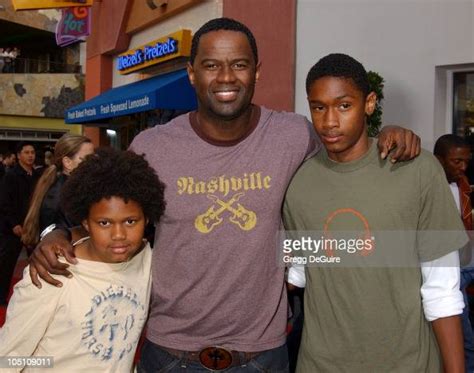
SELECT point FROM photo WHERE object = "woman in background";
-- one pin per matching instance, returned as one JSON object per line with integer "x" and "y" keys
{"x": 44, "y": 209}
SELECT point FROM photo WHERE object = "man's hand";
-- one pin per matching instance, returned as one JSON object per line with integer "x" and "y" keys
{"x": 44, "y": 259}
{"x": 403, "y": 143}
{"x": 17, "y": 230}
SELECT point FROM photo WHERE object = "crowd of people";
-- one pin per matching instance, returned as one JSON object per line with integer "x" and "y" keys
{"x": 211, "y": 292}
{"x": 8, "y": 59}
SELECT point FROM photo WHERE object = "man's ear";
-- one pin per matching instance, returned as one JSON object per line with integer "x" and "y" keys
{"x": 370, "y": 103}
{"x": 257, "y": 71}
{"x": 190, "y": 71}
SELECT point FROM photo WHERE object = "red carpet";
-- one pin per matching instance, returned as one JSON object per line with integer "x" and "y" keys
{"x": 20, "y": 266}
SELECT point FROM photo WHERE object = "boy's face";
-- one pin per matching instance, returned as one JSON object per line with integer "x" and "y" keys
{"x": 338, "y": 109}
{"x": 116, "y": 230}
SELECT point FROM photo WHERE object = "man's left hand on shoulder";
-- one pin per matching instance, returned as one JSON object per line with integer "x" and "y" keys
{"x": 399, "y": 143}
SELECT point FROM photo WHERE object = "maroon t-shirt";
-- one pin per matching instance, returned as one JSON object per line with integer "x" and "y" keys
{"x": 216, "y": 280}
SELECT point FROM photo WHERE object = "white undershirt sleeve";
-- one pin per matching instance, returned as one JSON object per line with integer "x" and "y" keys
{"x": 296, "y": 276}
{"x": 440, "y": 289}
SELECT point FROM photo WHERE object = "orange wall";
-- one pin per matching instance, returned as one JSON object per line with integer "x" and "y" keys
{"x": 98, "y": 80}
{"x": 107, "y": 38}
{"x": 273, "y": 22}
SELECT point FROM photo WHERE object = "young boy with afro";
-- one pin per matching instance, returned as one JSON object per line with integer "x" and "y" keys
{"x": 94, "y": 321}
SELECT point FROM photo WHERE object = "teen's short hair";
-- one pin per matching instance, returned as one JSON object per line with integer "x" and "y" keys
{"x": 340, "y": 66}
{"x": 447, "y": 142}
{"x": 113, "y": 173}
{"x": 218, "y": 24}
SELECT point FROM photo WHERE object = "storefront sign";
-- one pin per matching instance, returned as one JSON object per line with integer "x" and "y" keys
{"x": 74, "y": 26}
{"x": 47, "y": 4}
{"x": 164, "y": 49}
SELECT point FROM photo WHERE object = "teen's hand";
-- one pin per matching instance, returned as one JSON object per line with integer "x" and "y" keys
{"x": 44, "y": 259}
{"x": 402, "y": 143}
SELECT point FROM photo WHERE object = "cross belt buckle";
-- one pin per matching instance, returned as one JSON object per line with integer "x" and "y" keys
{"x": 215, "y": 358}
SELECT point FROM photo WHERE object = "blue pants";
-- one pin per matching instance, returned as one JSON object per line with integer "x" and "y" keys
{"x": 467, "y": 275}
{"x": 154, "y": 359}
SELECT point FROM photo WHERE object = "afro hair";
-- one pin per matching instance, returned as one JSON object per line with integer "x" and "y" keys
{"x": 112, "y": 173}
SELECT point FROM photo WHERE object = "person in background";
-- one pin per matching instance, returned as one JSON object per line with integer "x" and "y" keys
{"x": 44, "y": 208}
{"x": 8, "y": 161}
{"x": 8, "y": 59}
{"x": 48, "y": 158}
{"x": 17, "y": 186}
{"x": 2, "y": 59}
{"x": 454, "y": 154}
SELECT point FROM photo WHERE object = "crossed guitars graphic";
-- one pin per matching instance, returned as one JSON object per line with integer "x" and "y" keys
{"x": 242, "y": 217}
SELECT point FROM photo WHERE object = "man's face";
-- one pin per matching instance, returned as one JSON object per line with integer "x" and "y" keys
{"x": 10, "y": 161}
{"x": 27, "y": 156}
{"x": 224, "y": 74}
{"x": 455, "y": 162}
{"x": 338, "y": 109}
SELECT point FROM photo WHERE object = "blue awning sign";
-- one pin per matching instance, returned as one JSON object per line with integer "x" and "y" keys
{"x": 170, "y": 91}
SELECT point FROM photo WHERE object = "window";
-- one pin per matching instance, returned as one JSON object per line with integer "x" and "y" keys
{"x": 463, "y": 104}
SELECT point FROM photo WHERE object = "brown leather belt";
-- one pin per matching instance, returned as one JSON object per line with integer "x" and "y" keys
{"x": 214, "y": 358}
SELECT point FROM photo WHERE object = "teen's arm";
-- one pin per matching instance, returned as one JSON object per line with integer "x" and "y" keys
{"x": 29, "y": 313}
{"x": 44, "y": 259}
{"x": 443, "y": 303}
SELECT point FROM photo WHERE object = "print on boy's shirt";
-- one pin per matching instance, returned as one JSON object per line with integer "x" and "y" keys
{"x": 222, "y": 208}
{"x": 114, "y": 323}
{"x": 349, "y": 220}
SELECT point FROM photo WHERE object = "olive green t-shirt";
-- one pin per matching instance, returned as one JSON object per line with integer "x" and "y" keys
{"x": 369, "y": 319}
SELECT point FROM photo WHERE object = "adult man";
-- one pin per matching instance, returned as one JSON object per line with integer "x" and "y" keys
{"x": 367, "y": 315}
{"x": 7, "y": 162}
{"x": 454, "y": 154}
{"x": 226, "y": 168}
{"x": 17, "y": 186}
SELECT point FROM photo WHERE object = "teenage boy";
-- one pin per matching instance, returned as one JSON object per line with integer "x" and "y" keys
{"x": 370, "y": 319}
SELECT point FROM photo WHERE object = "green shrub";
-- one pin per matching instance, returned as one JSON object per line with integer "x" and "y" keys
{"x": 374, "y": 121}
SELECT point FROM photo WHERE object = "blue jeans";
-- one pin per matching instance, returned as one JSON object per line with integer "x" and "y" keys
{"x": 467, "y": 275}
{"x": 155, "y": 360}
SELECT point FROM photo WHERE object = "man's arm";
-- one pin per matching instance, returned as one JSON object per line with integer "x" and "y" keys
{"x": 401, "y": 143}
{"x": 443, "y": 303}
{"x": 44, "y": 259}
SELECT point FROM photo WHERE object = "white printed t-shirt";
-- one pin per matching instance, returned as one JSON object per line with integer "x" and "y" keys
{"x": 91, "y": 324}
